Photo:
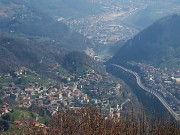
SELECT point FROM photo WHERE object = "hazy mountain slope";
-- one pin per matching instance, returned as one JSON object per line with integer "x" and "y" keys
{"x": 18, "y": 52}
{"x": 158, "y": 43}
{"x": 34, "y": 40}
{"x": 66, "y": 8}
{"x": 19, "y": 18}
{"x": 151, "y": 12}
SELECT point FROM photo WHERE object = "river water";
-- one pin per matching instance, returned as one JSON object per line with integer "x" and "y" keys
{"x": 149, "y": 102}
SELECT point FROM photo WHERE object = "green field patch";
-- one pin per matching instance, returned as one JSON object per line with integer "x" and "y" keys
{"x": 18, "y": 114}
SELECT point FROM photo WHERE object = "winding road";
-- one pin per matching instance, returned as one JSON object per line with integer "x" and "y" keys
{"x": 159, "y": 97}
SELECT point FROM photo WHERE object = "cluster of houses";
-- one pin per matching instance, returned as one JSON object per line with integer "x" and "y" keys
{"x": 71, "y": 93}
{"x": 101, "y": 29}
{"x": 4, "y": 108}
{"x": 165, "y": 81}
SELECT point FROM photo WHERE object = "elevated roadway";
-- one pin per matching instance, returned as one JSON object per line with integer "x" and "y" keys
{"x": 157, "y": 95}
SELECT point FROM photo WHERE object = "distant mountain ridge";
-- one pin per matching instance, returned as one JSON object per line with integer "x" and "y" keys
{"x": 66, "y": 8}
{"x": 44, "y": 60}
{"x": 23, "y": 19}
{"x": 158, "y": 44}
{"x": 32, "y": 39}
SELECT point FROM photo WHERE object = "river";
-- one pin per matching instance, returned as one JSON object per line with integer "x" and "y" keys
{"x": 149, "y": 102}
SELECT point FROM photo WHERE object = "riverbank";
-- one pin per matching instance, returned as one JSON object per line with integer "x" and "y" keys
{"x": 149, "y": 102}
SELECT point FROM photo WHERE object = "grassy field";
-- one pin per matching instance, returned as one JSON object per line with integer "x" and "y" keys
{"x": 18, "y": 114}
{"x": 23, "y": 114}
{"x": 24, "y": 80}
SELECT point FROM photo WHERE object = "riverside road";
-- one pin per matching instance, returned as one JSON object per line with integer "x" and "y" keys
{"x": 157, "y": 95}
